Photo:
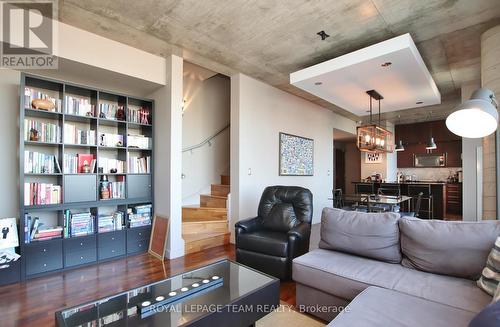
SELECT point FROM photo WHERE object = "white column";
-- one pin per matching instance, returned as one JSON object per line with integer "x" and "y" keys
{"x": 234, "y": 204}
{"x": 470, "y": 185}
{"x": 168, "y": 154}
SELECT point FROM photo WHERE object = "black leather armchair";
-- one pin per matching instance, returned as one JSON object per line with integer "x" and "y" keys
{"x": 279, "y": 233}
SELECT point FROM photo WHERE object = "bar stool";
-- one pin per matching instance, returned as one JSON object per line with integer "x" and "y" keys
{"x": 426, "y": 197}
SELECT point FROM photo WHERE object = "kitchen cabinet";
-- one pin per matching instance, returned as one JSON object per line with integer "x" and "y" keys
{"x": 415, "y": 137}
{"x": 454, "y": 198}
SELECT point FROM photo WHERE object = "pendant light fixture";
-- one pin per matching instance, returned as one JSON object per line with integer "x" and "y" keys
{"x": 372, "y": 137}
{"x": 477, "y": 117}
{"x": 431, "y": 144}
{"x": 399, "y": 147}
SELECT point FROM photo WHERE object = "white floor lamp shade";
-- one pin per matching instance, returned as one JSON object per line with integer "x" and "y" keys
{"x": 475, "y": 118}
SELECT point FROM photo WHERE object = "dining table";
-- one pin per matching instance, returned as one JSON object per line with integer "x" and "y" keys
{"x": 376, "y": 200}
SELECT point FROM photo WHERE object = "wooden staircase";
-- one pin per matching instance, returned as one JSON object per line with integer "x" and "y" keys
{"x": 206, "y": 226}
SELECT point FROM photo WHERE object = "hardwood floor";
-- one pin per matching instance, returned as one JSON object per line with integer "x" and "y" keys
{"x": 34, "y": 302}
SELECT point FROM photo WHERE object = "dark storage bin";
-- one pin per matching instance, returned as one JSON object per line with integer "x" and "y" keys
{"x": 139, "y": 186}
{"x": 44, "y": 257}
{"x": 111, "y": 244}
{"x": 138, "y": 239}
{"x": 80, "y": 188}
{"x": 11, "y": 274}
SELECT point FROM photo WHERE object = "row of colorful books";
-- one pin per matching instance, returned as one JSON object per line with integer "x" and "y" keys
{"x": 40, "y": 163}
{"x": 41, "y": 194}
{"x": 79, "y": 163}
{"x": 112, "y": 190}
{"x": 41, "y": 132}
{"x": 139, "y": 165}
{"x": 32, "y": 94}
{"x": 111, "y": 111}
{"x": 78, "y": 106}
{"x": 111, "y": 222}
{"x": 141, "y": 115}
{"x": 139, "y": 215}
{"x": 34, "y": 230}
{"x": 73, "y": 135}
{"x": 78, "y": 223}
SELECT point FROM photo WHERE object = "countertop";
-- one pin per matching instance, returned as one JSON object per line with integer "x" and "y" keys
{"x": 412, "y": 182}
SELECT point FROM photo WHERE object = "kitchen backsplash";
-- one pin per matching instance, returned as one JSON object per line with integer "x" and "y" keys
{"x": 429, "y": 174}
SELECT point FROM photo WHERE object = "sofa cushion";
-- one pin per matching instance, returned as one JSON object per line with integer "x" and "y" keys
{"x": 490, "y": 277}
{"x": 346, "y": 276}
{"x": 454, "y": 248}
{"x": 386, "y": 308}
{"x": 267, "y": 242}
{"x": 371, "y": 235}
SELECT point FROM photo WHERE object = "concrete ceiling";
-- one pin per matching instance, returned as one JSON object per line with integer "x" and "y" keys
{"x": 269, "y": 39}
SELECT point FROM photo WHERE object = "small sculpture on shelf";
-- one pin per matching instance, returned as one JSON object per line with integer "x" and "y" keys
{"x": 86, "y": 167}
{"x": 104, "y": 191}
{"x": 113, "y": 171}
{"x": 43, "y": 104}
{"x": 119, "y": 143}
{"x": 89, "y": 114}
{"x": 102, "y": 115}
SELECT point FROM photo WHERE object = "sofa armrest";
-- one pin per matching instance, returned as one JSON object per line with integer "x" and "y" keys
{"x": 302, "y": 230}
{"x": 298, "y": 240}
{"x": 248, "y": 225}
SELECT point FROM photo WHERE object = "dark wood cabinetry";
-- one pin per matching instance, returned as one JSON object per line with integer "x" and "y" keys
{"x": 454, "y": 199}
{"x": 415, "y": 136}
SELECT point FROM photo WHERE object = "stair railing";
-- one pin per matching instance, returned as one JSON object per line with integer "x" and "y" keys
{"x": 206, "y": 141}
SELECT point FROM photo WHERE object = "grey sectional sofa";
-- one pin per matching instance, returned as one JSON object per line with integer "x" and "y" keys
{"x": 391, "y": 271}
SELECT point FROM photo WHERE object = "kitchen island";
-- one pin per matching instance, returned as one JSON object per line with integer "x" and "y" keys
{"x": 436, "y": 189}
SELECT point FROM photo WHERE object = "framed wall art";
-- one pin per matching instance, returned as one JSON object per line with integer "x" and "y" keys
{"x": 373, "y": 158}
{"x": 296, "y": 157}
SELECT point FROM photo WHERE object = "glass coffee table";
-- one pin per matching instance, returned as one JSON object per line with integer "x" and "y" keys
{"x": 224, "y": 293}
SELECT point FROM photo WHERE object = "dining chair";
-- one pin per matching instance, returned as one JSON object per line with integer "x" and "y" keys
{"x": 416, "y": 208}
{"x": 426, "y": 211}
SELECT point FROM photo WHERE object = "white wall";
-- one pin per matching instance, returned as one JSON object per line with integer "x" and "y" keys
{"x": 259, "y": 112}
{"x": 206, "y": 112}
{"x": 9, "y": 143}
{"x": 168, "y": 156}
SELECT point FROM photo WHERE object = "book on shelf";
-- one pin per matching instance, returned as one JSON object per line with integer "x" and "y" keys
{"x": 111, "y": 111}
{"x": 73, "y": 135}
{"x": 41, "y": 132}
{"x": 139, "y": 215}
{"x": 109, "y": 139}
{"x": 34, "y": 230}
{"x": 112, "y": 166}
{"x": 41, "y": 194}
{"x": 78, "y": 223}
{"x": 112, "y": 190}
{"x": 40, "y": 163}
{"x": 111, "y": 222}
{"x": 32, "y": 94}
{"x": 75, "y": 163}
{"x": 139, "y": 141}
{"x": 139, "y": 165}
{"x": 78, "y": 106}
{"x": 140, "y": 115}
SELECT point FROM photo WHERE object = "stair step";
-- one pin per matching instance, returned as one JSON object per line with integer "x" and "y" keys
{"x": 219, "y": 189}
{"x": 225, "y": 180}
{"x": 196, "y": 213}
{"x": 212, "y": 201}
{"x": 210, "y": 226}
{"x": 201, "y": 241}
